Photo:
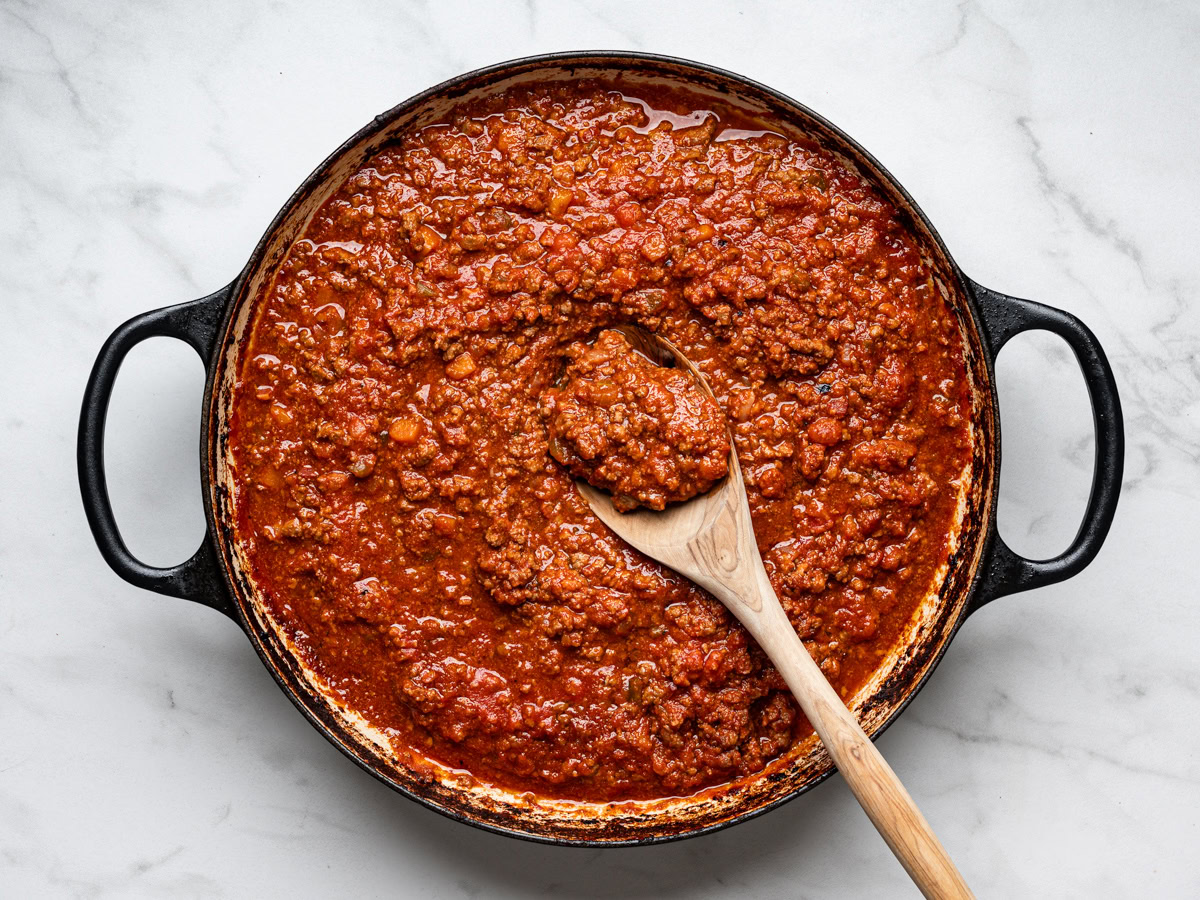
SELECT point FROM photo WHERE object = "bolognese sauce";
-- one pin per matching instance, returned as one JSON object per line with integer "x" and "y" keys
{"x": 405, "y": 439}
{"x": 646, "y": 433}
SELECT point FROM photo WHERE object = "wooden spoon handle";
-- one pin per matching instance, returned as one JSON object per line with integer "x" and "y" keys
{"x": 872, "y": 780}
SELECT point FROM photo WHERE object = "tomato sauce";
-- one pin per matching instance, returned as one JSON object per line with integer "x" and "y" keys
{"x": 401, "y": 503}
{"x": 646, "y": 433}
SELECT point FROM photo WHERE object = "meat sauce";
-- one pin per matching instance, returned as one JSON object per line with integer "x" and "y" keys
{"x": 646, "y": 433}
{"x": 401, "y": 504}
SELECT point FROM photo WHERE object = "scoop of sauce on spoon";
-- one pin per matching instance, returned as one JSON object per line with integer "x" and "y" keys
{"x": 647, "y": 434}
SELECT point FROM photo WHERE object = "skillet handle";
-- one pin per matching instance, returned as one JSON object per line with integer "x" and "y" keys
{"x": 198, "y": 578}
{"x": 1006, "y": 572}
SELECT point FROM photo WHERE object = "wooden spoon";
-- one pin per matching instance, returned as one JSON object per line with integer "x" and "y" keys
{"x": 710, "y": 540}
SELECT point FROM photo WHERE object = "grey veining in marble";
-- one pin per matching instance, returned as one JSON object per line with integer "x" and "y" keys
{"x": 143, "y": 148}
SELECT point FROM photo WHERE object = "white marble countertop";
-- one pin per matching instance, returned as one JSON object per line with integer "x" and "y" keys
{"x": 144, "y": 751}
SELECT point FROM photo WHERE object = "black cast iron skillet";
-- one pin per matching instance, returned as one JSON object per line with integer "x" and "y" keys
{"x": 981, "y": 566}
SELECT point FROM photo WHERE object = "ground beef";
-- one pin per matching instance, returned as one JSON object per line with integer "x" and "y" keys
{"x": 647, "y": 433}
